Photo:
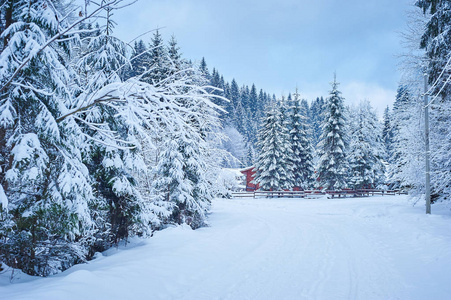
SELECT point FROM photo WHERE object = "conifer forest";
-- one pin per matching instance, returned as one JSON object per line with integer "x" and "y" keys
{"x": 103, "y": 140}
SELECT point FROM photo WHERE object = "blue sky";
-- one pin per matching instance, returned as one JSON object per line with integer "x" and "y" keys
{"x": 279, "y": 45}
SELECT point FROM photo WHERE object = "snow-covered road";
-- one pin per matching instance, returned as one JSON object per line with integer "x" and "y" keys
{"x": 370, "y": 248}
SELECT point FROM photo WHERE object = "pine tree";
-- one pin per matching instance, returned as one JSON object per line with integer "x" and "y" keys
{"x": 436, "y": 40}
{"x": 366, "y": 150}
{"x": 301, "y": 159}
{"x": 45, "y": 186}
{"x": 157, "y": 65}
{"x": 139, "y": 60}
{"x": 114, "y": 154}
{"x": 273, "y": 169}
{"x": 204, "y": 69}
{"x": 387, "y": 135}
{"x": 333, "y": 167}
{"x": 401, "y": 117}
{"x": 316, "y": 120}
{"x": 253, "y": 100}
{"x": 181, "y": 179}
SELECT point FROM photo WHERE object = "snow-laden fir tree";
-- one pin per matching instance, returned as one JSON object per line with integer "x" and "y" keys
{"x": 436, "y": 41}
{"x": 114, "y": 155}
{"x": 387, "y": 135}
{"x": 139, "y": 60}
{"x": 183, "y": 175}
{"x": 366, "y": 149}
{"x": 179, "y": 180}
{"x": 273, "y": 168}
{"x": 157, "y": 64}
{"x": 402, "y": 128}
{"x": 46, "y": 188}
{"x": 285, "y": 123}
{"x": 301, "y": 159}
{"x": 332, "y": 166}
{"x": 316, "y": 121}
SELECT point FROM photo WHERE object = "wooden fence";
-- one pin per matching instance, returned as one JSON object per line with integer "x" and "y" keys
{"x": 316, "y": 193}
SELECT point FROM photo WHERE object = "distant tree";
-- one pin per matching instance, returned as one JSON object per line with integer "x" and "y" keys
{"x": 273, "y": 169}
{"x": 158, "y": 64}
{"x": 204, "y": 69}
{"x": 366, "y": 149}
{"x": 387, "y": 134}
{"x": 333, "y": 166}
{"x": 401, "y": 119}
{"x": 301, "y": 158}
{"x": 316, "y": 120}
{"x": 139, "y": 60}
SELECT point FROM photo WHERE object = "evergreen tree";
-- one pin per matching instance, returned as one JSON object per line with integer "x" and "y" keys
{"x": 387, "y": 135}
{"x": 158, "y": 64}
{"x": 253, "y": 101}
{"x": 401, "y": 117}
{"x": 333, "y": 167}
{"x": 181, "y": 179}
{"x": 366, "y": 150}
{"x": 110, "y": 162}
{"x": 204, "y": 69}
{"x": 316, "y": 120}
{"x": 301, "y": 159}
{"x": 45, "y": 190}
{"x": 273, "y": 169}
{"x": 139, "y": 60}
{"x": 173, "y": 52}
{"x": 436, "y": 40}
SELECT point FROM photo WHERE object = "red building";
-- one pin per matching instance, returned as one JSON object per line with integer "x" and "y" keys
{"x": 250, "y": 173}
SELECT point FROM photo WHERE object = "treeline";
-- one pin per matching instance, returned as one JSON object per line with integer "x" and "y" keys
{"x": 349, "y": 151}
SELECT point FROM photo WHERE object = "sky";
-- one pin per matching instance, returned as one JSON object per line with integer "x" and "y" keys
{"x": 282, "y": 44}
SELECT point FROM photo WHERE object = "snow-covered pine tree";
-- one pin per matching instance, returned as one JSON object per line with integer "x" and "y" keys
{"x": 285, "y": 123}
{"x": 301, "y": 159}
{"x": 400, "y": 128}
{"x": 114, "y": 156}
{"x": 45, "y": 186}
{"x": 366, "y": 150}
{"x": 315, "y": 122}
{"x": 387, "y": 135}
{"x": 436, "y": 41}
{"x": 175, "y": 180}
{"x": 333, "y": 168}
{"x": 157, "y": 65}
{"x": 273, "y": 169}
{"x": 183, "y": 172}
{"x": 139, "y": 60}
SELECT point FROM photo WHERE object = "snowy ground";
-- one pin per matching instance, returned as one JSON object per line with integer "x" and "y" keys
{"x": 370, "y": 248}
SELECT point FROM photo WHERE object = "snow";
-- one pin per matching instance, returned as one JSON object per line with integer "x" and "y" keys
{"x": 3, "y": 198}
{"x": 362, "y": 248}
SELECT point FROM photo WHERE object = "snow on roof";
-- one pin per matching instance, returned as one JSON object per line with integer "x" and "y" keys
{"x": 246, "y": 169}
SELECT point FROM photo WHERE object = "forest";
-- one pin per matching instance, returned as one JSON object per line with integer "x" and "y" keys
{"x": 103, "y": 140}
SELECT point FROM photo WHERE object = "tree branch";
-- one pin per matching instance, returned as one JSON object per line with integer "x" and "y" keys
{"x": 56, "y": 37}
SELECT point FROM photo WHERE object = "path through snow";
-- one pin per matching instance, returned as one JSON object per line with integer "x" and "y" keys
{"x": 367, "y": 248}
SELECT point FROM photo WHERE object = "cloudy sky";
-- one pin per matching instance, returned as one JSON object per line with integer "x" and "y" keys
{"x": 281, "y": 44}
